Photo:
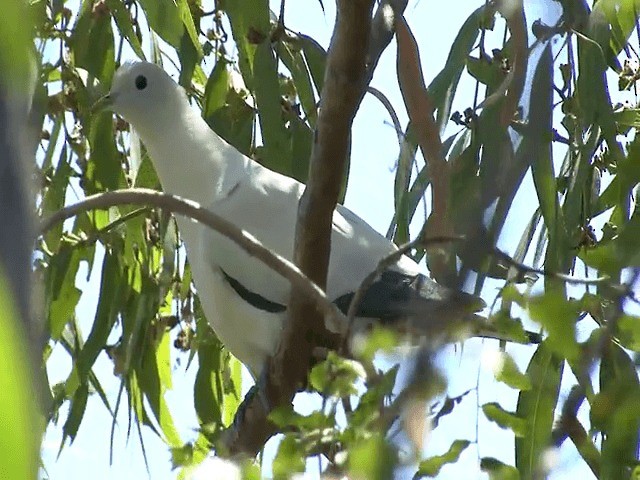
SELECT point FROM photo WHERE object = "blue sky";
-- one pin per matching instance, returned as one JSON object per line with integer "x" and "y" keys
{"x": 370, "y": 195}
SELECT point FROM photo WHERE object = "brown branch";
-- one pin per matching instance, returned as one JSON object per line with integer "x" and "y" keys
{"x": 344, "y": 87}
{"x": 420, "y": 109}
{"x": 191, "y": 209}
{"x": 382, "y": 31}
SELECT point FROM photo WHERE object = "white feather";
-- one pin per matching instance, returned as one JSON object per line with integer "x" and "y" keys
{"x": 194, "y": 162}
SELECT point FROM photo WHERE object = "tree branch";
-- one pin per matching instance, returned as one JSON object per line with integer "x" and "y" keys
{"x": 346, "y": 79}
{"x": 246, "y": 241}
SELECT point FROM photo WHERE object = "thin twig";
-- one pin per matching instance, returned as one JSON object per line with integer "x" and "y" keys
{"x": 392, "y": 113}
{"x": 522, "y": 268}
{"x": 191, "y": 209}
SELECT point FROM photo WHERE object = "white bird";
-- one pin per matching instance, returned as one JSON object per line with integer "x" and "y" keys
{"x": 245, "y": 301}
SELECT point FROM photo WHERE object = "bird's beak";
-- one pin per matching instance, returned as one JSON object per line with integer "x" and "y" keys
{"x": 103, "y": 103}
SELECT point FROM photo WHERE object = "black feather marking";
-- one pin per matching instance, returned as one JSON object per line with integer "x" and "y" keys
{"x": 252, "y": 298}
{"x": 395, "y": 295}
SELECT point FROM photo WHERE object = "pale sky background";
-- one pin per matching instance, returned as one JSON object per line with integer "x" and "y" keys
{"x": 370, "y": 195}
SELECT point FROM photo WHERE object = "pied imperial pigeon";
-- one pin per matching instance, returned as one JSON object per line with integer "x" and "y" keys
{"x": 244, "y": 300}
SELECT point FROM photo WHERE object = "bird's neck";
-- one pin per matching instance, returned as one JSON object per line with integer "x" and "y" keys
{"x": 191, "y": 160}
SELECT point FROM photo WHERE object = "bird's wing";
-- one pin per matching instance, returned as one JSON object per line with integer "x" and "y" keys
{"x": 265, "y": 204}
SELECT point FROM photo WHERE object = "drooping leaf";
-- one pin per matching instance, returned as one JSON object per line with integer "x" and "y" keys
{"x": 189, "y": 26}
{"x": 511, "y": 375}
{"x": 54, "y": 198}
{"x": 536, "y": 406}
{"x": 616, "y": 412}
{"x": 276, "y": 153}
{"x": 250, "y": 25}
{"x": 558, "y": 316}
{"x": 293, "y": 58}
{"x": 498, "y": 470}
{"x": 104, "y": 171}
{"x": 92, "y": 41}
{"x": 316, "y": 57}
{"x": 505, "y": 419}
{"x": 124, "y": 22}
{"x": 61, "y": 294}
{"x": 165, "y": 18}
{"x": 207, "y": 397}
{"x": 109, "y": 304}
{"x": 444, "y": 86}
{"x": 76, "y": 413}
{"x": 431, "y": 466}
{"x": 216, "y": 90}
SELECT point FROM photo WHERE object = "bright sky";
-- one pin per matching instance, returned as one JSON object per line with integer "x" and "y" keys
{"x": 374, "y": 154}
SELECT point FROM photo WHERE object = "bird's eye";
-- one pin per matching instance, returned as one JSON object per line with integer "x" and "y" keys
{"x": 141, "y": 82}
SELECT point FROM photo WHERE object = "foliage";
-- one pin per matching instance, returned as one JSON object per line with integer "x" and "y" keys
{"x": 19, "y": 425}
{"x": 564, "y": 132}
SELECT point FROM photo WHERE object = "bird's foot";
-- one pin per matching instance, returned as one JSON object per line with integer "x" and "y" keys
{"x": 257, "y": 393}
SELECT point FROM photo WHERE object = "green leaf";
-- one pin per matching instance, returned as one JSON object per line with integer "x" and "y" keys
{"x": 293, "y": 59}
{"x": 61, "y": 292}
{"x": 104, "y": 171}
{"x": 616, "y": 412}
{"x": 232, "y": 390}
{"x": 165, "y": 18}
{"x": 621, "y": 15}
{"x": 122, "y": 18}
{"x": 373, "y": 459}
{"x": 336, "y": 376}
{"x": 443, "y": 87}
{"x": 558, "y": 316}
{"x": 509, "y": 327}
{"x": 498, "y": 470}
{"x": 380, "y": 339}
{"x": 537, "y": 407}
{"x": 406, "y": 160}
{"x": 146, "y": 177}
{"x": 448, "y": 405}
{"x": 18, "y": 430}
{"x": 234, "y": 122}
{"x": 76, "y": 413}
{"x": 276, "y": 153}
{"x": 284, "y": 416}
{"x": 54, "y": 198}
{"x": 153, "y": 377}
{"x": 592, "y": 89}
{"x": 431, "y": 466}
{"x": 189, "y": 26}
{"x": 509, "y": 373}
{"x": 301, "y": 145}
{"x": 110, "y": 300}
{"x": 250, "y": 26}
{"x": 289, "y": 459}
{"x": 505, "y": 419}
{"x": 628, "y": 332}
{"x": 206, "y": 394}
{"x": 215, "y": 92}
{"x": 92, "y": 42}
{"x": 16, "y": 38}
{"x": 316, "y": 58}
{"x": 627, "y": 117}
{"x": 622, "y": 251}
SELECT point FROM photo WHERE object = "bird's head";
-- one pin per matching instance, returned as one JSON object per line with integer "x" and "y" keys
{"x": 142, "y": 93}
